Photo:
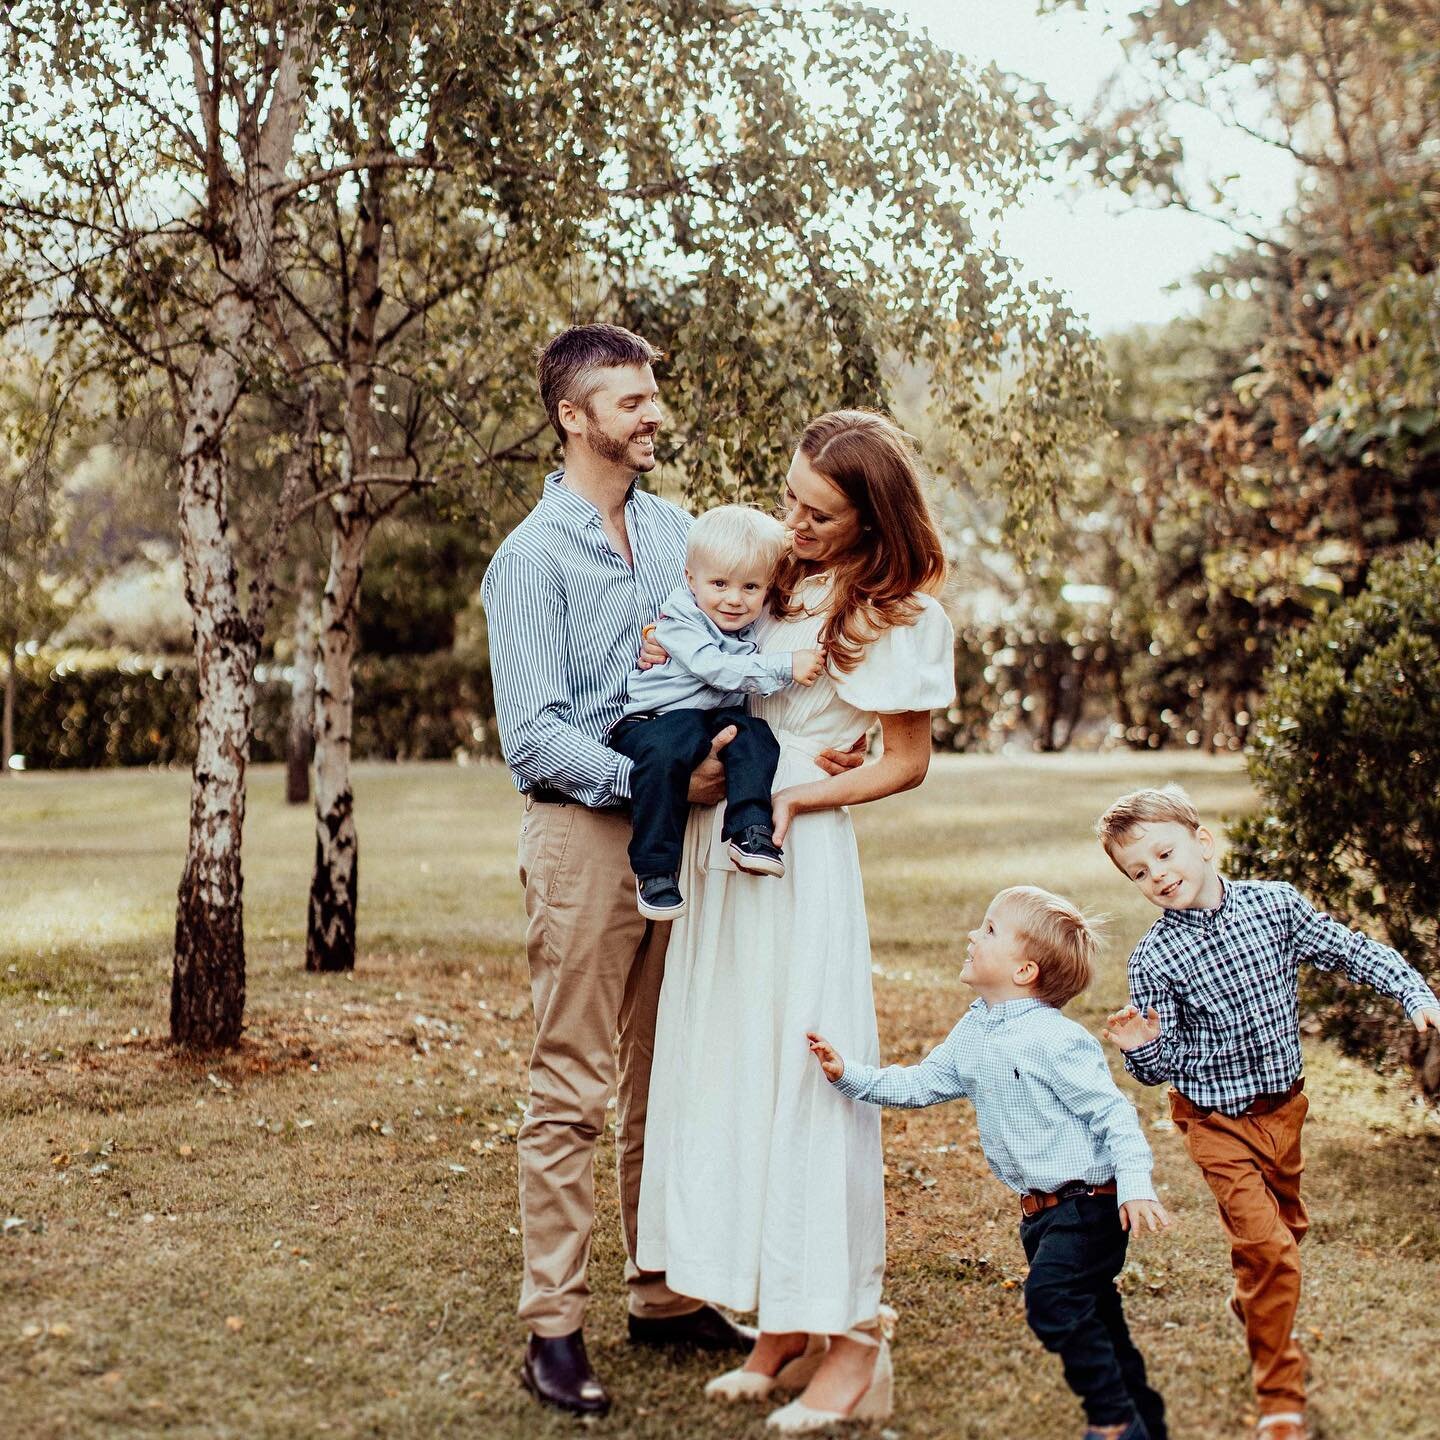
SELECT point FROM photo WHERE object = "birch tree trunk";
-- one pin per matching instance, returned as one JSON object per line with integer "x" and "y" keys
{"x": 207, "y": 989}
{"x": 334, "y": 886}
{"x": 300, "y": 747}
{"x": 7, "y": 723}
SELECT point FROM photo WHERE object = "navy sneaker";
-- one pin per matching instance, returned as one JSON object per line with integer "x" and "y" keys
{"x": 658, "y": 897}
{"x": 753, "y": 849}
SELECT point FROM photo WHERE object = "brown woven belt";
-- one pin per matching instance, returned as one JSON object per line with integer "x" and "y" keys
{"x": 1035, "y": 1201}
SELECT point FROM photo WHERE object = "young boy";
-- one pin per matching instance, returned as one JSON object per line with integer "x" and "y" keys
{"x": 1214, "y": 1011}
{"x": 1055, "y": 1129}
{"x": 675, "y": 710}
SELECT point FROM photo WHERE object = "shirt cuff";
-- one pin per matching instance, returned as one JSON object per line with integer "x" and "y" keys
{"x": 1143, "y": 1057}
{"x": 1416, "y": 1003}
{"x": 1134, "y": 1185}
{"x": 620, "y": 781}
{"x": 856, "y": 1080}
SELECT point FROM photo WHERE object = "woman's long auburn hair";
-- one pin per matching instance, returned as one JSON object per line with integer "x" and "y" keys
{"x": 874, "y": 464}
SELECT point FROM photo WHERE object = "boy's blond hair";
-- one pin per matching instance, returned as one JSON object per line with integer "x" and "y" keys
{"x": 1059, "y": 937}
{"x": 736, "y": 536}
{"x": 1144, "y": 807}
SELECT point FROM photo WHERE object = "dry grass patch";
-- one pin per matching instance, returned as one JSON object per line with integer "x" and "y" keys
{"x": 318, "y": 1235}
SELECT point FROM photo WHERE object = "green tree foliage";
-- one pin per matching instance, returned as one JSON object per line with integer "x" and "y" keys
{"x": 1344, "y": 754}
{"x": 1312, "y": 446}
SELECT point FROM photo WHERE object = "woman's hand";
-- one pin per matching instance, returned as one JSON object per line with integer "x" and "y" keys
{"x": 837, "y": 762}
{"x": 827, "y": 1055}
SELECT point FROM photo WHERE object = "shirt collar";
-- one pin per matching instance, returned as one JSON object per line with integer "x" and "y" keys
{"x": 577, "y": 507}
{"x": 1203, "y": 919}
{"x": 1008, "y": 1009}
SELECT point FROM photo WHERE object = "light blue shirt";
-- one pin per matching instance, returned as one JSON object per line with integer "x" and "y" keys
{"x": 1047, "y": 1107}
{"x": 709, "y": 668}
{"x": 564, "y": 613}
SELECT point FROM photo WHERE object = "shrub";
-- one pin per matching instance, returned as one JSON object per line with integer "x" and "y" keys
{"x": 1345, "y": 753}
{"x": 81, "y": 711}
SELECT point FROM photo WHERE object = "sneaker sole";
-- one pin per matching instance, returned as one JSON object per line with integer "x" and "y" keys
{"x": 756, "y": 864}
{"x": 654, "y": 912}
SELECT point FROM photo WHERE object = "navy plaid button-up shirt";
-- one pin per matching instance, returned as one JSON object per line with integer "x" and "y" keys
{"x": 1225, "y": 983}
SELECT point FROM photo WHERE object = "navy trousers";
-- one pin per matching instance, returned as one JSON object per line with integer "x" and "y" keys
{"x": 665, "y": 749}
{"x": 1075, "y": 1250}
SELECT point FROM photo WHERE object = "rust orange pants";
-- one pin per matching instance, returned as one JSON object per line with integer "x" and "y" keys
{"x": 1252, "y": 1164}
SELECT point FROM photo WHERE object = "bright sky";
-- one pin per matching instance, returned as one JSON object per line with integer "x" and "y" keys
{"x": 1113, "y": 260}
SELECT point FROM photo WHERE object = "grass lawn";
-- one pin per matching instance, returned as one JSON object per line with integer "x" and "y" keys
{"x": 318, "y": 1235}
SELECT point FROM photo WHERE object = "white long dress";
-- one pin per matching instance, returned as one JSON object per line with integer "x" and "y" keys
{"x": 762, "y": 1187}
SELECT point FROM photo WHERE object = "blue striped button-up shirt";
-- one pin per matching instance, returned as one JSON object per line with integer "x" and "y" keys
{"x": 564, "y": 613}
{"x": 1047, "y": 1107}
{"x": 1225, "y": 984}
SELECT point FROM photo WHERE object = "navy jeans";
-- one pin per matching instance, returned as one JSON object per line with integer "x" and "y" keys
{"x": 665, "y": 749}
{"x": 1075, "y": 1250}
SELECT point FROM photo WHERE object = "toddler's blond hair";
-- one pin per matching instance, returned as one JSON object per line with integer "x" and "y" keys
{"x": 736, "y": 536}
{"x": 1058, "y": 936}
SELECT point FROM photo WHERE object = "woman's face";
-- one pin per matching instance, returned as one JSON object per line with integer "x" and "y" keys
{"x": 823, "y": 524}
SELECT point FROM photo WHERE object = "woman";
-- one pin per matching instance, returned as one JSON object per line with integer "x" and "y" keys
{"x": 762, "y": 1188}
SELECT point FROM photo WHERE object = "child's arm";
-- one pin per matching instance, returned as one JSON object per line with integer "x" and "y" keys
{"x": 1329, "y": 945}
{"x": 1145, "y": 1029}
{"x": 696, "y": 650}
{"x": 1082, "y": 1083}
{"x": 935, "y": 1079}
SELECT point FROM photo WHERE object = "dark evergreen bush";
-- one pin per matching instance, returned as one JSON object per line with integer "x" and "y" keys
{"x": 1345, "y": 753}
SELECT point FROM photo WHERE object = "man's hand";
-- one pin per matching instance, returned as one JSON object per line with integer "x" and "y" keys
{"x": 652, "y": 652}
{"x": 806, "y": 665}
{"x": 837, "y": 762}
{"x": 1148, "y": 1213}
{"x": 827, "y": 1055}
{"x": 707, "y": 779}
{"x": 1129, "y": 1029}
{"x": 1429, "y": 1016}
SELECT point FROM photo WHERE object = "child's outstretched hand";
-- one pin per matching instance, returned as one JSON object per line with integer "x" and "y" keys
{"x": 806, "y": 665}
{"x": 1135, "y": 1214}
{"x": 827, "y": 1055}
{"x": 1129, "y": 1029}
{"x": 1429, "y": 1016}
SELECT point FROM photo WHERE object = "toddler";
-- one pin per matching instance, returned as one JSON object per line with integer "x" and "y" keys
{"x": 1056, "y": 1130}
{"x": 674, "y": 711}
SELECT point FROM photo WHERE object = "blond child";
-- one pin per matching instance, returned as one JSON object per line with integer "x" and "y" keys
{"x": 674, "y": 711}
{"x": 1214, "y": 1010}
{"x": 1056, "y": 1130}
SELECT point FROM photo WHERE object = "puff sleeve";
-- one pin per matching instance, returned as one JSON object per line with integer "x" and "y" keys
{"x": 906, "y": 668}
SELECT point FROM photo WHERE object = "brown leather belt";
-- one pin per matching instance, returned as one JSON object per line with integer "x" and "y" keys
{"x": 1036, "y": 1201}
{"x": 546, "y": 795}
{"x": 1260, "y": 1105}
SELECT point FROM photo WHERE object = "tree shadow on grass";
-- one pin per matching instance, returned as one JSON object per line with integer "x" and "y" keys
{"x": 1352, "y": 1185}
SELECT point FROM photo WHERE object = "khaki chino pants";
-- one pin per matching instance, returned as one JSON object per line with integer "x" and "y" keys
{"x": 595, "y": 969}
{"x": 1253, "y": 1164}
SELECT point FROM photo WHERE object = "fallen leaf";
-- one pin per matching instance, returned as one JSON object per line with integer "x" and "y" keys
{"x": 185, "y": 1151}
{"x": 234, "y": 1324}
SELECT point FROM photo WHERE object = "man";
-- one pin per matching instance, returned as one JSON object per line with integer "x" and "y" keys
{"x": 566, "y": 597}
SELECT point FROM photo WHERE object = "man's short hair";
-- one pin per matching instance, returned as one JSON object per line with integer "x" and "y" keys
{"x": 569, "y": 366}
{"x": 1059, "y": 937}
{"x": 735, "y": 537}
{"x": 1145, "y": 807}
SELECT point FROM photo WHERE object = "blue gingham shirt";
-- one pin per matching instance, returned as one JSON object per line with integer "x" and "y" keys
{"x": 564, "y": 613}
{"x": 1048, "y": 1109}
{"x": 1225, "y": 984}
{"x": 709, "y": 668}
